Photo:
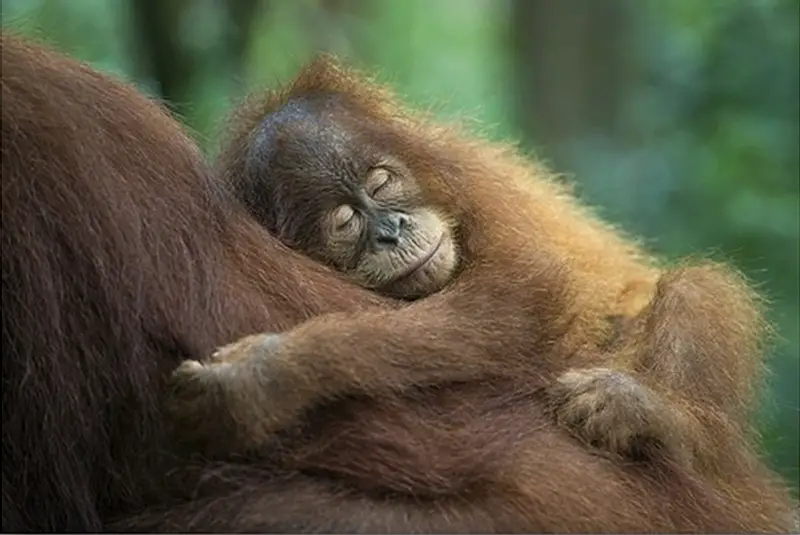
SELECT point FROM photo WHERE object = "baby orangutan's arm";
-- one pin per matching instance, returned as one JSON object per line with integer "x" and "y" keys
{"x": 264, "y": 383}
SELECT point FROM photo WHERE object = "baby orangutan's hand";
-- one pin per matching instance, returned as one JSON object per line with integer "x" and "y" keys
{"x": 236, "y": 400}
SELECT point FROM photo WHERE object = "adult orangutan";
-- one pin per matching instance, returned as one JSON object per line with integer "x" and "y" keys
{"x": 122, "y": 255}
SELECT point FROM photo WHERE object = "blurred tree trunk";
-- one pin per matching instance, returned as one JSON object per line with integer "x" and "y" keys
{"x": 169, "y": 63}
{"x": 160, "y": 54}
{"x": 572, "y": 65}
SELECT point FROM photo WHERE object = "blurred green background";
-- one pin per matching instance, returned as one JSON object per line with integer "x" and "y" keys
{"x": 679, "y": 118}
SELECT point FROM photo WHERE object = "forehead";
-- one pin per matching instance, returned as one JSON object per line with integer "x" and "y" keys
{"x": 322, "y": 142}
{"x": 311, "y": 125}
{"x": 323, "y": 129}
{"x": 315, "y": 151}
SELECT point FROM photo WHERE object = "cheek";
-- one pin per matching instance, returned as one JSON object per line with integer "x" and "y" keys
{"x": 342, "y": 251}
{"x": 427, "y": 226}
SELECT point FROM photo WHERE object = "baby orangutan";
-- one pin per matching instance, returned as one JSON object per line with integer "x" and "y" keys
{"x": 510, "y": 280}
{"x": 354, "y": 206}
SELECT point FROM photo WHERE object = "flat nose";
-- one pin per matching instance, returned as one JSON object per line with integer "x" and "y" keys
{"x": 390, "y": 228}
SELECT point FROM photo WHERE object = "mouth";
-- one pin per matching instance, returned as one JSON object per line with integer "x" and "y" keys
{"x": 420, "y": 263}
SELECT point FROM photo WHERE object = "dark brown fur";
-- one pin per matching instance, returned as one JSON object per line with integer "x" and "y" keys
{"x": 121, "y": 256}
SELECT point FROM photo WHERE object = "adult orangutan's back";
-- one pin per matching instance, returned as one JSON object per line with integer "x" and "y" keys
{"x": 114, "y": 268}
{"x": 120, "y": 257}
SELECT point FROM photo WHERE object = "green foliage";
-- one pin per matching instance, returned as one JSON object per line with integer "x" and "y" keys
{"x": 704, "y": 160}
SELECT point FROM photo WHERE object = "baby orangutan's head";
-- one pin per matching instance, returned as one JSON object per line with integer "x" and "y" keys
{"x": 326, "y": 183}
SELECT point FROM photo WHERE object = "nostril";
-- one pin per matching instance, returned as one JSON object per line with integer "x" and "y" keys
{"x": 388, "y": 239}
{"x": 402, "y": 221}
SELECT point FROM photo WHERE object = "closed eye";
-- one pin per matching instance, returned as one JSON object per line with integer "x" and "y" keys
{"x": 377, "y": 180}
{"x": 346, "y": 221}
{"x": 343, "y": 216}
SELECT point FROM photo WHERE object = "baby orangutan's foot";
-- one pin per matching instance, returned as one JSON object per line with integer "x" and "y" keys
{"x": 613, "y": 411}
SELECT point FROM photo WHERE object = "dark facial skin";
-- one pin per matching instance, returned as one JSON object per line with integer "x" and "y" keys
{"x": 330, "y": 191}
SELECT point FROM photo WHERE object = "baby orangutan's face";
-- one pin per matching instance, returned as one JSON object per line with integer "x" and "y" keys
{"x": 327, "y": 184}
{"x": 386, "y": 241}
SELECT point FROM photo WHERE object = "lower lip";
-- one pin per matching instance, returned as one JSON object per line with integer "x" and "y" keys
{"x": 424, "y": 261}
